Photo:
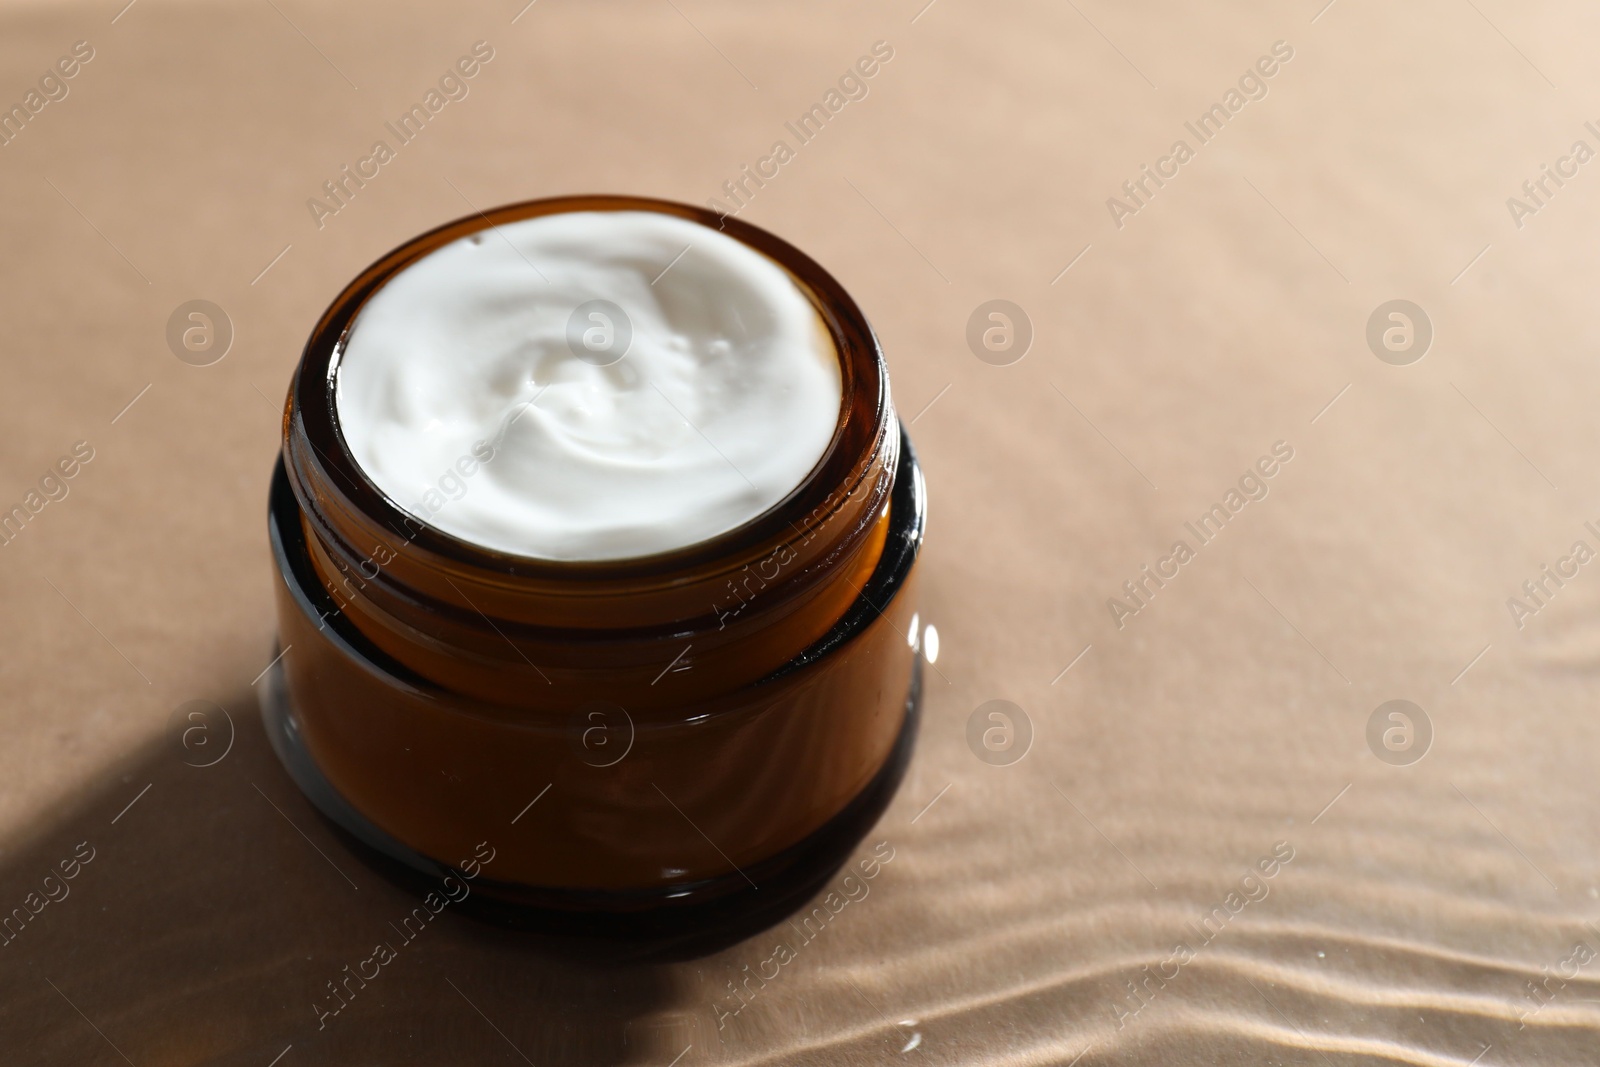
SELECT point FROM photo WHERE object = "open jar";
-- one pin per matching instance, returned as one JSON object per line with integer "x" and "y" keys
{"x": 631, "y": 736}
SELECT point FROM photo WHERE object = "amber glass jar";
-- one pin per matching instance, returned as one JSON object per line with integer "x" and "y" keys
{"x": 627, "y": 734}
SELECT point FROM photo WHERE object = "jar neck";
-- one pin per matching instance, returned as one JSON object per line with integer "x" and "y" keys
{"x": 531, "y": 634}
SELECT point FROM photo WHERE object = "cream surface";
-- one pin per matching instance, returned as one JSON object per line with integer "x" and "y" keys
{"x": 589, "y": 386}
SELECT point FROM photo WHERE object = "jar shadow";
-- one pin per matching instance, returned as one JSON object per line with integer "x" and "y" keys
{"x": 211, "y": 915}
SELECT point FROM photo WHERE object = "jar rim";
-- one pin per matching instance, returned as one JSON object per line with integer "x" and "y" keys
{"x": 862, "y": 426}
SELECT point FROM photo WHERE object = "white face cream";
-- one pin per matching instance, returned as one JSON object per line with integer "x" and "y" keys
{"x": 485, "y": 388}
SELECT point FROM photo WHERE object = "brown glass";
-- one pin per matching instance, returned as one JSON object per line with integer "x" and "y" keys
{"x": 440, "y": 686}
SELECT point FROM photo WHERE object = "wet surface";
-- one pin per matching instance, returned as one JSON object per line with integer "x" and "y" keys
{"x": 1102, "y": 898}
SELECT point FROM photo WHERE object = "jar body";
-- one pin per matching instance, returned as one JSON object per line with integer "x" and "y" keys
{"x": 729, "y": 786}
{"x": 443, "y": 697}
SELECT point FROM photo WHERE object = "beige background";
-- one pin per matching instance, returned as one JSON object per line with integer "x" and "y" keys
{"x": 1223, "y": 317}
